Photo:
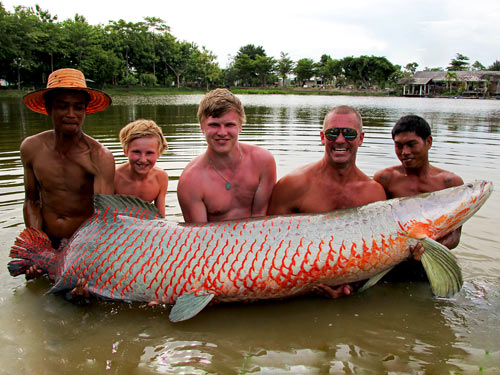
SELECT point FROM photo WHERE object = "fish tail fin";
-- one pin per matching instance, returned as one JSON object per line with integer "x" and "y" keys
{"x": 442, "y": 269}
{"x": 31, "y": 248}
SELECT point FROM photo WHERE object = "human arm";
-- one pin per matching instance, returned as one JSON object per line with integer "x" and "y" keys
{"x": 32, "y": 205}
{"x": 283, "y": 196}
{"x": 190, "y": 198}
{"x": 160, "y": 199}
{"x": 105, "y": 172}
{"x": 266, "y": 183}
{"x": 32, "y": 208}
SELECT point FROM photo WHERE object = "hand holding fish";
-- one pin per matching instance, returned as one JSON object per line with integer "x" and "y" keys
{"x": 33, "y": 272}
{"x": 336, "y": 292}
{"x": 81, "y": 290}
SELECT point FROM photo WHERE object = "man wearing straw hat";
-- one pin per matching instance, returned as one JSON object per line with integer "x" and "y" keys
{"x": 64, "y": 167}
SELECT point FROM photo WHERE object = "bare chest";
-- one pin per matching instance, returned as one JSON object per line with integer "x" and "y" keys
{"x": 72, "y": 173}
{"x": 148, "y": 190}
{"x": 230, "y": 197}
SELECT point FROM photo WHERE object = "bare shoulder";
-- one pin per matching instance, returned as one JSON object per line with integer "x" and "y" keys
{"x": 257, "y": 153}
{"x": 32, "y": 143}
{"x": 193, "y": 168}
{"x": 371, "y": 189}
{"x": 160, "y": 175}
{"x": 97, "y": 148}
{"x": 447, "y": 178}
{"x": 384, "y": 176}
{"x": 191, "y": 177}
{"x": 296, "y": 182}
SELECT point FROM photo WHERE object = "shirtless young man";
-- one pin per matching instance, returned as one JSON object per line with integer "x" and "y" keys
{"x": 412, "y": 141}
{"x": 64, "y": 167}
{"x": 143, "y": 143}
{"x": 230, "y": 179}
{"x": 332, "y": 183}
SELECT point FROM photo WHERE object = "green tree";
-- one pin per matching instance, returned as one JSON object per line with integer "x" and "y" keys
{"x": 21, "y": 37}
{"x": 245, "y": 64}
{"x": 155, "y": 24}
{"x": 450, "y": 76}
{"x": 460, "y": 62}
{"x": 495, "y": 66}
{"x": 245, "y": 68}
{"x": 478, "y": 66}
{"x": 304, "y": 70}
{"x": 322, "y": 70}
{"x": 251, "y": 51}
{"x": 264, "y": 66}
{"x": 284, "y": 67}
{"x": 411, "y": 67}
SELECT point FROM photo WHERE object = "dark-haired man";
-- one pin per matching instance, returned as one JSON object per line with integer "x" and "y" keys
{"x": 64, "y": 167}
{"x": 412, "y": 142}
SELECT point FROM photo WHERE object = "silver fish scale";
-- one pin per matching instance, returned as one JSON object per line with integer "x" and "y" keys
{"x": 126, "y": 258}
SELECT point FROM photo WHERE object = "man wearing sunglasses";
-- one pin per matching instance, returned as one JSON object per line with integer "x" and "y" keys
{"x": 334, "y": 182}
{"x": 412, "y": 142}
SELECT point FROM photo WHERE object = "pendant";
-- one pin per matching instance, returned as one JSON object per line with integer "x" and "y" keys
{"x": 228, "y": 185}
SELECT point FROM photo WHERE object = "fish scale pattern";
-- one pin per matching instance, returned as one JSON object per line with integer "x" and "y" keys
{"x": 144, "y": 260}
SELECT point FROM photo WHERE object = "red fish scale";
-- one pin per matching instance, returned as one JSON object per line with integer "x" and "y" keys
{"x": 133, "y": 259}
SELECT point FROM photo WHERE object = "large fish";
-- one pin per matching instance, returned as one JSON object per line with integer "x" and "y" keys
{"x": 127, "y": 252}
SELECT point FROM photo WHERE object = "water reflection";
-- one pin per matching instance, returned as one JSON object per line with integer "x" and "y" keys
{"x": 392, "y": 328}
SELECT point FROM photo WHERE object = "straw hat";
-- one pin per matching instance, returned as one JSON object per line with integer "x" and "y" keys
{"x": 70, "y": 79}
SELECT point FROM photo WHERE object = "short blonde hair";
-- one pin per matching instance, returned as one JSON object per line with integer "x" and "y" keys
{"x": 344, "y": 110}
{"x": 218, "y": 102}
{"x": 140, "y": 129}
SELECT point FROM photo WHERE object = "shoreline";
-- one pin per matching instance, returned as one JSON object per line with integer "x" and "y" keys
{"x": 157, "y": 91}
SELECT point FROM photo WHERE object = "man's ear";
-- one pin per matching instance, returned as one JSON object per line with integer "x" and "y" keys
{"x": 428, "y": 142}
{"x": 322, "y": 136}
{"x": 361, "y": 137}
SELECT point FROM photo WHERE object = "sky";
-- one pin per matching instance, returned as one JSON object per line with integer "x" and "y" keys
{"x": 429, "y": 33}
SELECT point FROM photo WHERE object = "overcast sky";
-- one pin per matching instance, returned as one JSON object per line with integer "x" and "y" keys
{"x": 427, "y": 32}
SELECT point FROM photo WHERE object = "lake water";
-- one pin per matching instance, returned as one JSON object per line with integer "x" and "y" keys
{"x": 396, "y": 328}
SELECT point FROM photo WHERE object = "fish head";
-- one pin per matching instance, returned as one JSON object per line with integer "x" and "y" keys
{"x": 441, "y": 212}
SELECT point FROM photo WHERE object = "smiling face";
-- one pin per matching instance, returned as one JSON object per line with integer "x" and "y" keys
{"x": 412, "y": 150}
{"x": 341, "y": 150}
{"x": 222, "y": 132}
{"x": 68, "y": 112}
{"x": 142, "y": 154}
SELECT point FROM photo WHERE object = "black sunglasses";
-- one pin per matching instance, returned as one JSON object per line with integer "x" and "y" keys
{"x": 348, "y": 133}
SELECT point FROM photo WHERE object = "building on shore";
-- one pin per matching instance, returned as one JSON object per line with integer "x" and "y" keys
{"x": 483, "y": 83}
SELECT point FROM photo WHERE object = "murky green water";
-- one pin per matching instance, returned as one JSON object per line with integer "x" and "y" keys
{"x": 392, "y": 328}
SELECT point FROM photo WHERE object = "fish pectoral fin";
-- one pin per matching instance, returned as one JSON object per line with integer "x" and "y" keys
{"x": 375, "y": 279}
{"x": 190, "y": 304}
{"x": 442, "y": 268}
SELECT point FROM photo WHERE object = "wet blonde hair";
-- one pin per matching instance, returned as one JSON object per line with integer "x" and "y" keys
{"x": 140, "y": 129}
{"x": 218, "y": 102}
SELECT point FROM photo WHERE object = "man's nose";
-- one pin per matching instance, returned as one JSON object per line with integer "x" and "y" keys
{"x": 222, "y": 130}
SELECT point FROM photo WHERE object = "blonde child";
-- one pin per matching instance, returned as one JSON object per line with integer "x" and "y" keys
{"x": 143, "y": 143}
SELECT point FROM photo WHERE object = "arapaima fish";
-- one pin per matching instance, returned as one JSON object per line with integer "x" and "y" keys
{"x": 127, "y": 252}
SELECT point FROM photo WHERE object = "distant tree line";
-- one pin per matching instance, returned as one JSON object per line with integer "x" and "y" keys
{"x": 34, "y": 43}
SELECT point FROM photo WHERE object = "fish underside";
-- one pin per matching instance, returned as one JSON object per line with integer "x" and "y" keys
{"x": 128, "y": 252}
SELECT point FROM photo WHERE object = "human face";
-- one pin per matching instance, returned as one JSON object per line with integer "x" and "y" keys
{"x": 222, "y": 132}
{"x": 142, "y": 154}
{"x": 412, "y": 150}
{"x": 341, "y": 150}
{"x": 68, "y": 112}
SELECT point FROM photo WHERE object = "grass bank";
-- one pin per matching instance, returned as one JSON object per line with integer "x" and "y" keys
{"x": 152, "y": 91}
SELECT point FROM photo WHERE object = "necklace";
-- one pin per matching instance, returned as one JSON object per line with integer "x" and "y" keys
{"x": 228, "y": 183}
